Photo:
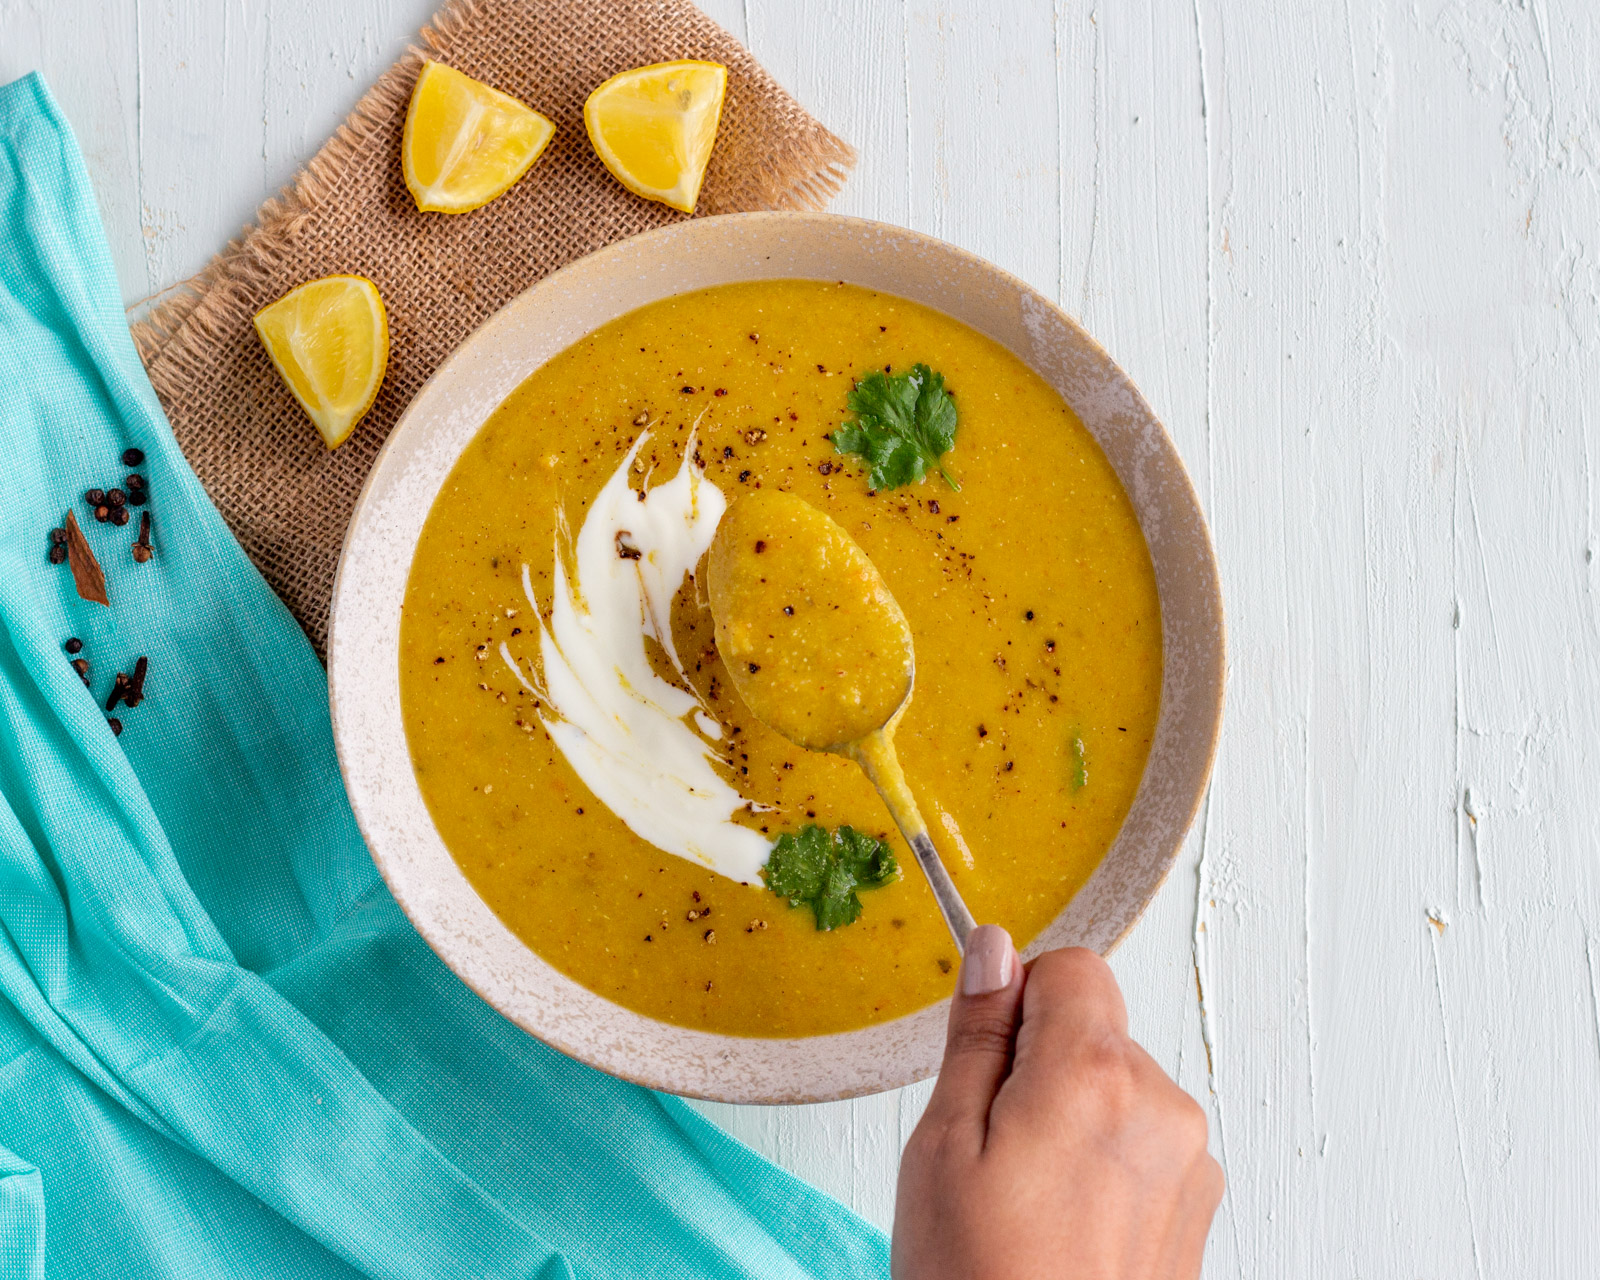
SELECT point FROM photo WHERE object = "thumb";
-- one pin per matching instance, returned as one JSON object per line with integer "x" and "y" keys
{"x": 984, "y": 1013}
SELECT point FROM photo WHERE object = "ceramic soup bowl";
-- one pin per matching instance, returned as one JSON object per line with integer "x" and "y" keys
{"x": 363, "y": 647}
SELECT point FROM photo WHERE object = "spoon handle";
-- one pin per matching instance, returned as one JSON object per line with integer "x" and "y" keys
{"x": 945, "y": 893}
{"x": 876, "y": 756}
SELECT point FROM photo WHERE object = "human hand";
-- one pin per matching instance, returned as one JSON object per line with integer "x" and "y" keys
{"x": 1053, "y": 1145}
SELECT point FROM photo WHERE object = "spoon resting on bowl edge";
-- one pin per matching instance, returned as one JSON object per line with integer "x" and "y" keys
{"x": 821, "y": 653}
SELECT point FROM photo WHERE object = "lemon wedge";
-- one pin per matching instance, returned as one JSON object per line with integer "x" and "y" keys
{"x": 330, "y": 340}
{"x": 466, "y": 143}
{"x": 654, "y": 127}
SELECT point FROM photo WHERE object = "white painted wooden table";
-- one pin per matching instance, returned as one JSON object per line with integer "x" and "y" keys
{"x": 1351, "y": 252}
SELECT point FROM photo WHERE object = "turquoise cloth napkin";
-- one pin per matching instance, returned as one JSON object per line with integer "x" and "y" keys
{"x": 223, "y": 1050}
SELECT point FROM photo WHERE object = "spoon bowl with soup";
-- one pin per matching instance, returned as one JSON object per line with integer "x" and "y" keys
{"x": 821, "y": 652}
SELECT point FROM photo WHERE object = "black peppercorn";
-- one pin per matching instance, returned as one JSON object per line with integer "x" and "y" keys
{"x": 58, "y": 535}
{"x": 58, "y": 553}
{"x": 132, "y": 457}
{"x": 116, "y": 726}
{"x": 138, "y": 497}
{"x": 81, "y": 666}
{"x": 120, "y": 516}
{"x": 135, "y": 481}
{"x": 74, "y": 645}
{"x": 116, "y": 498}
{"x": 95, "y": 497}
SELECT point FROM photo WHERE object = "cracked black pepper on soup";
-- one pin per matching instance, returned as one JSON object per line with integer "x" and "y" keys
{"x": 579, "y": 744}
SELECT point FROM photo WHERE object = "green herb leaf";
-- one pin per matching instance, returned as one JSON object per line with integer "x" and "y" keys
{"x": 837, "y": 904}
{"x": 904, "y": 423}
{"x": 798, "y": 864}
{"x": 867, "y": 859}
{"x": 821, "y": 869}
{"x": 1077, "y": 765}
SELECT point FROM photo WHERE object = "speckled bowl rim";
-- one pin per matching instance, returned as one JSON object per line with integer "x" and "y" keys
{"x": 363, "y": 643}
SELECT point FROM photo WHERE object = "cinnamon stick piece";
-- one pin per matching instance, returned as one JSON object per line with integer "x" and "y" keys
{"x": 87, "y": 575}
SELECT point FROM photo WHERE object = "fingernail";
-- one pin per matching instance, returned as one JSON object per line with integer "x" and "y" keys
{"x": 987, "y": 965}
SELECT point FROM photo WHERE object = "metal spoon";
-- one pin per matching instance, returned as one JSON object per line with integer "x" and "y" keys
{"x": 821, "y": 653}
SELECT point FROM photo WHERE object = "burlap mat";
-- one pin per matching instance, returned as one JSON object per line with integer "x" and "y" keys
{"x": 286, "y": 497}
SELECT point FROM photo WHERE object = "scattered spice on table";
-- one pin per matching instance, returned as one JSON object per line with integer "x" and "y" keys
{"x": 116, "y": 726}
{"x": 116, "y": 498}
{"x": 73, "y": 645}
{"x": 135, "y": 694}
{"x": 119, "y": 516}
{"x": 142, "y": 550}
{"x": 129, "y": 689}
{"x": 87, "y": 575}
{"x": 132, "y": 457}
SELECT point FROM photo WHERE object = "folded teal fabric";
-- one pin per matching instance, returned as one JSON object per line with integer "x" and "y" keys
{"x": 223, "y": 1050}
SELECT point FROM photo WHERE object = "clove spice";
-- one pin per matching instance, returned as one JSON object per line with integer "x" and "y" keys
{"x": 129, "y": 689}
{"x": 135, "y": 693}
{"x": 142, "y": 550}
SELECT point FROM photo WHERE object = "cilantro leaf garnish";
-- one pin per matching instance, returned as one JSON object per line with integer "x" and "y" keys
{"x": 823, "y": 870}
{"x": 904, "y": 423}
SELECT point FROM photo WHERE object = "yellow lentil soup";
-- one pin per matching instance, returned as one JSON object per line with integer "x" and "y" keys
{"x": 813, "y": 641}
{"x": 1031, "y": 602}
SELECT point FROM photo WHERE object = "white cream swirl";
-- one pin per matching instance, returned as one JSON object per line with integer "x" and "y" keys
{"x": 640, "y": 743}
